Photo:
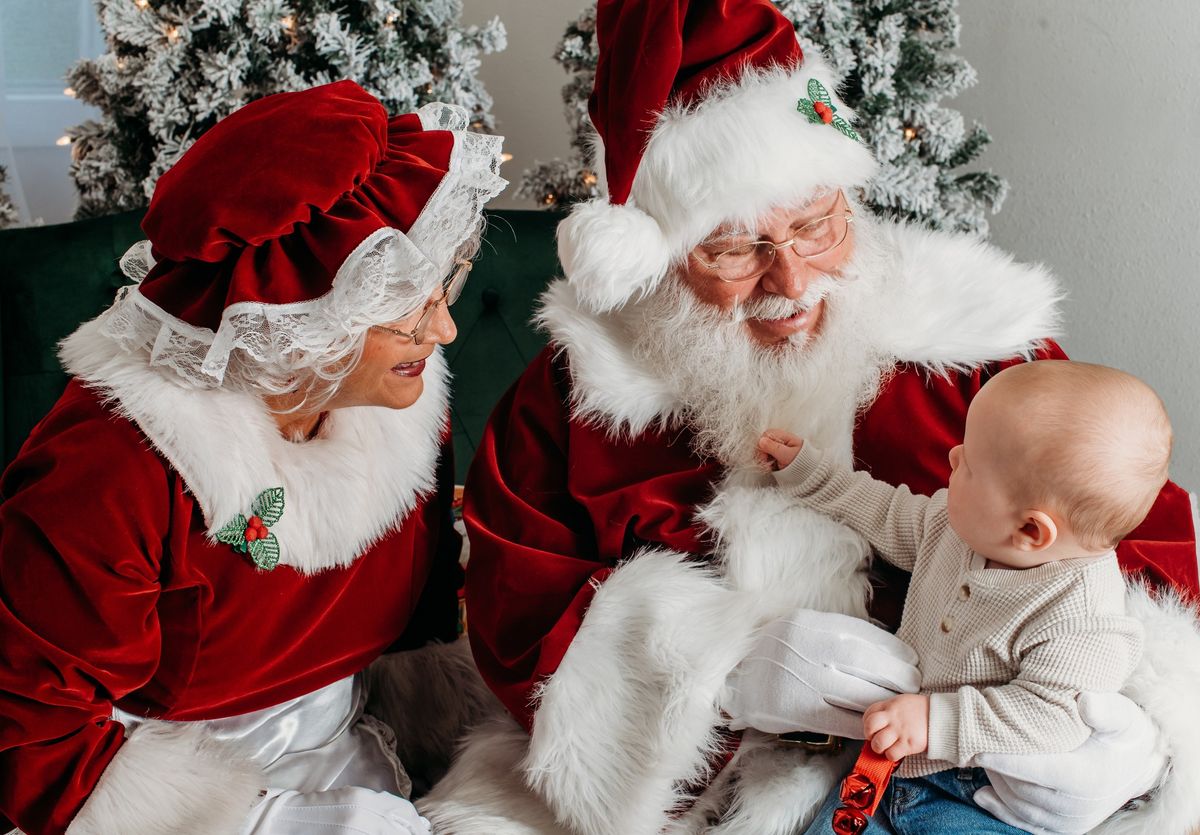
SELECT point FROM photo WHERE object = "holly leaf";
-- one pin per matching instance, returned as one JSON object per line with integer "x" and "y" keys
{"x": 844, "y": 126}
{"x": 233, "y": 533}
{"x": 805, "y": 106}
{"x": 265, "y": 552}
{"x": 817, "y": 92}
{"x": 269, "y": 505}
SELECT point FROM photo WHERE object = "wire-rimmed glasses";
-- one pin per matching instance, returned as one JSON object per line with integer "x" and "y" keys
{"x": 812, "y": 240}
{"x": 452, "y": 288}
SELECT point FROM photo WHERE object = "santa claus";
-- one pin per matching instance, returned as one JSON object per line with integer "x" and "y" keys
{"x": 626, "y": 553}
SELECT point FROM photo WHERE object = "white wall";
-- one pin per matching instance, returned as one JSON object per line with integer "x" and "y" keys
{"x": 1094, "y": 109}
{"x": 526, "y": 83}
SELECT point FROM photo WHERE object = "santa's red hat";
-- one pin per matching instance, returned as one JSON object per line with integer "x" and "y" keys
{"x": 297, "y": 222}
{"x": 705, "y": 113}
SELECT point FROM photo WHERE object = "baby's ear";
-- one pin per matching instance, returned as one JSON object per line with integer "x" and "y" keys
{"x": 1037, "y": 532}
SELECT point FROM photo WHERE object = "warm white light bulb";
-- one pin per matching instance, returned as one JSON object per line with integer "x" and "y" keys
{"x": 69, "y": 92}
{"x": 62, "y": 141}
{"x": 505, "y": 157}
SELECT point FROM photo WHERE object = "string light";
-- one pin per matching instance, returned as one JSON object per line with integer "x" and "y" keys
{"x": 69, "y": 92}
{"x": 910, "y": 133}
{"x": 173, "y": 34}
{"x": 288, "y": 22}
{"x": 549, "y": 198}
{"x": 142, "y": 4}
{"x": 391, "y": 18}
{"x": 62, "y": 141}
{"x": 589, "y": 178}
{"x": 505, "y": 157}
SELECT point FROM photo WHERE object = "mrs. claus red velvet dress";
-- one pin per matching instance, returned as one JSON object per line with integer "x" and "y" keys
{"x": 112, "y": 594}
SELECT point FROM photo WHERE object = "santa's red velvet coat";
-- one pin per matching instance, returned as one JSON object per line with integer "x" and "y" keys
{"x": 605, "y": 615}
{"x": 113, "y": 592}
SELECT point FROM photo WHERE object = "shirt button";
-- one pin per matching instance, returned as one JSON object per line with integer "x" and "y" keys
{"x": 947, "y": 624}
{"x": 964, "y": 592}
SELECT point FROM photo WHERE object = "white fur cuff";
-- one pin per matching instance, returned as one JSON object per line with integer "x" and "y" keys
{"x": 170, "y": 779}
{"x": 1166, "y": 684}
{"x": 629, "y": 714}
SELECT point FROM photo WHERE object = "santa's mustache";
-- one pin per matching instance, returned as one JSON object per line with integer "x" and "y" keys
{"x": 770, "y": 307}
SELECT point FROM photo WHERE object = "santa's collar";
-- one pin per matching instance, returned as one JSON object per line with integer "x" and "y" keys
{"x": 944, "y": 302}
{"x": 342, "y": 491}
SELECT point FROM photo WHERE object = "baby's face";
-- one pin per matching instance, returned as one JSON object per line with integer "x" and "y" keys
{"x": 980, "y": 507}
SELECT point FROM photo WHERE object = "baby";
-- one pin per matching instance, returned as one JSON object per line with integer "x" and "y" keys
{"x": 1016, "y": 603}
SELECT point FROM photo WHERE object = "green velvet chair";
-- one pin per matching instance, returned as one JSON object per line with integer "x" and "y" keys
{"x": 54, "y": 277}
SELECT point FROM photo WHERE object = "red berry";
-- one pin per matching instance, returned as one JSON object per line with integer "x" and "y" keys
{"x": 254, "y": 522}
{"x": 263, "y": 531}
{"x": 251, "y": 534}
{"x": 824, "y": 111}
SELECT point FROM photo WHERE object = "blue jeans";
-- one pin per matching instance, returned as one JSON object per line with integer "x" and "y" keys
{"x": 930, "y": 805}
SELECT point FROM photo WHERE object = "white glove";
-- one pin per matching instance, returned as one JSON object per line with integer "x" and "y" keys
{"x": 817, "y": 672}
{"x": 1074, "y": 792}
{"x": 345, "y": 811}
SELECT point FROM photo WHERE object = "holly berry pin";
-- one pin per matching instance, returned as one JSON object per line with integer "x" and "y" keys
{"x": 820, "y": 109}
{"x": 252, "y": 535}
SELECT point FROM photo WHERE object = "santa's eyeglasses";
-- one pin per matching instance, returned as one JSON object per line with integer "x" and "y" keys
{"x": 811, "y": 240}
{"x": 452, "y": 288}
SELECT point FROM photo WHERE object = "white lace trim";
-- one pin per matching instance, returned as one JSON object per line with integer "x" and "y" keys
{"x": 387, "y": 277}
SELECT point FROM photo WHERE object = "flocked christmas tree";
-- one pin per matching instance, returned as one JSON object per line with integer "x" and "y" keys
{"x": 8, "y": 211}
{"x": 173, "y": 68}
{"x": 898, "y": 62}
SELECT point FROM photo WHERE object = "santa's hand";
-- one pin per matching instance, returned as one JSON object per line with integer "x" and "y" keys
{"x": 1074, "y": 792}
{"x": 344, "y": 811}
{"x": 817, "y": 672}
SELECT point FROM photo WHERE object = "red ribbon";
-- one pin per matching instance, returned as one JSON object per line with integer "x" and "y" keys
{"x": 862, "y": 791}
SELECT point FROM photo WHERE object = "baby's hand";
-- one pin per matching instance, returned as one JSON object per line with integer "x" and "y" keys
{"x": 898, "y": 726}
{"x": 777, "y": 449}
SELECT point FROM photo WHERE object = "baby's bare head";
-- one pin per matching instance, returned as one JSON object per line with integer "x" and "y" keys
{"x": 1089, "y": 443}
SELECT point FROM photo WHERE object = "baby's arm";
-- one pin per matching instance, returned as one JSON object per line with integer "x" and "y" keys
{"x": 1037, "y": 711}
{"x": 892, "y": 519}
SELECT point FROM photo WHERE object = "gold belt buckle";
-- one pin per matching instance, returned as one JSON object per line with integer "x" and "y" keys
{"x": 813, "y": 743}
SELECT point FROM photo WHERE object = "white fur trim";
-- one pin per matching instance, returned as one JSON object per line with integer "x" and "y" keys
{"x": 1165, "y": 684}
{"x": 939, "y": 300}
{"x": 609, "y": 387}
{"x": 170, "y": 778}
{"x": 611, "y": 253}
{"x": 483, "y": 793}
{"x": 631, "y": 709}
{"x": 428, "y": 697}
{"x": 779, "y": 788}
{"x": 789, "y": 557}
{"x": 744, "y": 150}
{"x": 950, "y": 301}
{"x": 373, "y": 465}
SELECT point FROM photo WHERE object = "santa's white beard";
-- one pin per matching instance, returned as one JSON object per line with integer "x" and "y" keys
{"x": 732, "y": 387}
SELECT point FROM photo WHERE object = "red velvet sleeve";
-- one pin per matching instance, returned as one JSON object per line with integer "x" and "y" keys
{"x": 533, "y": 566}
{"x": 81, "y": 529}
{"x": 1162, "y": 549}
